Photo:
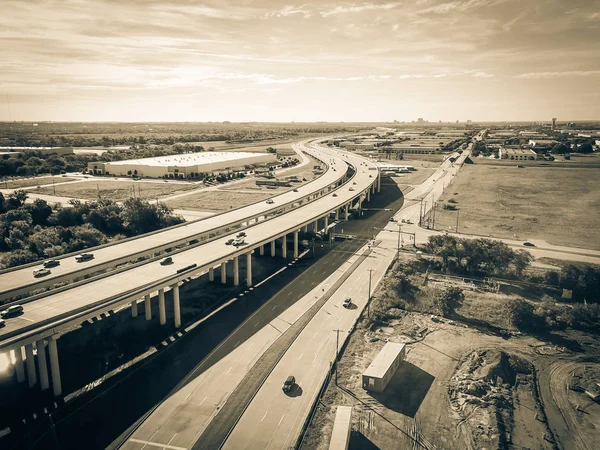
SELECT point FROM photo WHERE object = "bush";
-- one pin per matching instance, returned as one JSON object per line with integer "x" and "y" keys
{"x": 450, "y": 299}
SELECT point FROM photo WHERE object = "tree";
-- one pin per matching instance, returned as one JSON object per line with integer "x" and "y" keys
{"x": 271, "y": 150}
{"x": 521, "y": 261}
{"x": 585, "y": 148}
{"x": 450, "y": 299}
{"x": 16, "y": 199}
{"x": 560, "y": 149}
{"x": 521, "y": 315}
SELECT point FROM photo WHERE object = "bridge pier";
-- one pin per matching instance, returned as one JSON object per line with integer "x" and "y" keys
{"x": 346, "y": 211}
{"x": 162, "y": 311}
{"x": 306, "y": 228}
{"x": 369, "y": 194}
{"x": 176, "y": 305}
{"x": 54, "y": 367}
{"x": 295, "y": 244}
{"x": 224, "y": 272}
{"x": 236, "y": 271}
{"x": 134, "y": 308}
{"x": 378, "y": 182}
{"x": 42, "y": 364}
{"x": 148, "y": 307}
{"x": 19, "y": 367}
{"x": 249, "y": 268}
{"x": 273, "y": 248}
{"x": 30, "y": 363}
{"x": 284, "y": 246}
{"x": 316, "y": 226}
{"x": 326, "y": 222}
{"x": 337, "y": 213}
{"x": 211, "y": 274}
{"x": 261, "y": 250}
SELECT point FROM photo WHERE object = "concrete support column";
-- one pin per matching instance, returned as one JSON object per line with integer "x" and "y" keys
{"x": 236, "y": 271}
{"x": 295, "y": 244}
{"x": 369, "y": 194}
{"x": 54, "y": 367}
{"x": 148, "y": 307}
{"x": 224, "y": 272}
{"x": 284, "y": 246}
{"x": 162, "y": 311}
{"x": 346, "y": 211}
{"x": 326, "y": 221}
{"x": 306, "y": 228}
{"x": 42, "y": 364}
{"x": 261, "y": 250}
{"x": 176, "y": 306}
{"x": 273, "y": 249}
{"x": 249, "y": 268}
{"x": 30, "y": 362}
{"x": 134, "y": 308}
{"x": 373, "y": 188}
{"x": 337, "y": 213}
{"x": 19, "y": 367}
{"x": 316, "y": 225}
{"x": 379, "y": 183}
{"x": 211, "y": 274}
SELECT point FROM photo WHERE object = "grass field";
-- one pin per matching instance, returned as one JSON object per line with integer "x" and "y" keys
{"x": 219, "y": 200}
{"x": 558, "y": 205}
{"x": 28, "y": 182}
{"x": 116, "y": 190}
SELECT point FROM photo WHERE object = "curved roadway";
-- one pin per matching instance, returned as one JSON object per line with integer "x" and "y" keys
{"x": 59, "y": 311}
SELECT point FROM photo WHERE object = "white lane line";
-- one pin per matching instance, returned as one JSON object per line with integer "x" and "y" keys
{"x": 250, "y": 346}
{"x": 200, "y": 404}
{"x": 188, "y": 396}
{"x": 154, "y": 444}
{"x": 280, "y": 420}
{"x": 300, "y": 357}
{"x": 266, "y": 412}
{"x": 237, "y": 343}
{"x": 228, "y": 370}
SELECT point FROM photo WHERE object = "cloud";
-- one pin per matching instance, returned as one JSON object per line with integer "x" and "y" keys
{"x": 459, "y": 6}
{"x": 546, "y": 75}
{"x": 289, "y": 10}
{"x": 357, "y": 8}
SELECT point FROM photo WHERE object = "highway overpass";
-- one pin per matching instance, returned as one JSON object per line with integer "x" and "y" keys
{"x": 50, "y": 315}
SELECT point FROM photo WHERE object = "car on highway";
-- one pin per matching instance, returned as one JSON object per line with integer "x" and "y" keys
{"x": 394, "y": 220}
{"x": 351, "y": 189}
{"x": 295, "y": 190}
{"x": 240, "y": 234}
{"x": 334, "y": 194}
{"x": 354, "y": 182}
{"x": 41, "y": 272}
{"x": 347, "y": 302}
{"x": 528, "y": 244}
{"x": 289, "y": 384}
{"x": 2, "y": 323}
{"x": 270, "y": 202}
{"x": 12, "y": 311}
{"x": 166, "y": 261}
{"x": 238, "y": 241}
{"x": 84, "y": 257}
{"x": 52, "y": 263}
{"x": 229, "y": 241}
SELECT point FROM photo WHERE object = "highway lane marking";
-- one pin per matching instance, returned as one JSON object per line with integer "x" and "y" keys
{"x": 250, "y": 346}
{"x": 266, "y": 412}
{"x": 188, "y": 396}
{"x": 228, "y": 370}
{"x": 280, "y": 420}
{"x": 200, "y": 404}
{"x": 236, "y": 344}
{"x": 28, "y": 320}
{"x": 154, "y": 444}
{"x": 300, "y": 357}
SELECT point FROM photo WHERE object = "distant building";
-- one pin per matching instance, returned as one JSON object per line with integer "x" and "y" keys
{"x": 542, "y": 143}
{"x": 517, "y": 154}
{"x": 181, "y": 166}
{"x": 420, "y": 120}
{"x": 553, "y": 123}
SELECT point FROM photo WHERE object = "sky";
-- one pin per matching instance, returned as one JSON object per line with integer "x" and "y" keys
{"x": 215, "y": 60}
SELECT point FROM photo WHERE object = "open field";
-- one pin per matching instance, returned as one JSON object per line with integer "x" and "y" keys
{"x": 559, "y": 205}
{"x": 116, "y": 190}
{"x": 28, "y": 182}
{"x": 461, "y": 385}
{"x": 219, "y": 200}
{"x": 416, "y": 177}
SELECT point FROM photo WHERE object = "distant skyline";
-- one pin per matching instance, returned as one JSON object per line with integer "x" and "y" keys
{"x": 362, "y": 61}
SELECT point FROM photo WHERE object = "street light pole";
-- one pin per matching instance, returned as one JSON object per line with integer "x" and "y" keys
{"x": 369, "y": 298}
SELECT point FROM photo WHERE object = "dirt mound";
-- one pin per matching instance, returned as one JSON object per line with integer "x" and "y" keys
{"x": 497, "y": 366}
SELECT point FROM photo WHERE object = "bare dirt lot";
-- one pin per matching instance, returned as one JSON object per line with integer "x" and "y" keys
{"x": 116, "y": 190}
{"x": 462, "y": 385}
{"x": 559, "y": 205}
{"x": 219, "y": 200}
{"x": 28, "y": 182}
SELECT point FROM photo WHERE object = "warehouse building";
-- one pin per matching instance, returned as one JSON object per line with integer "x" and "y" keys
{"x": 182, "y": 166}
{"x": 382, "y": 369}
{"x": 517, "y": 154}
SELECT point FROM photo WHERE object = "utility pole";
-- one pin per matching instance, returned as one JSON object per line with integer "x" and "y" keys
{"x": 399, "y": 234}
{"x": 420, "y": 212}
{"x": 425, "y": 210}
{"x": 337, "y": 349}
{"x": 53, "y": 187}
{"x": 369, "y": 298}
{"x": 457, "y": 213}
{"x": 434, "y": 207}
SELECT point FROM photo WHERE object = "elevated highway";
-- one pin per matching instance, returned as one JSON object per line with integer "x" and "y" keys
{"x": 46, "y": 318}
{"x": 19, "y": 281}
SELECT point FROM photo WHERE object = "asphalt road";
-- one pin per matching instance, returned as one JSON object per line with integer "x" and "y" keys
{"x": 138, "y": 390}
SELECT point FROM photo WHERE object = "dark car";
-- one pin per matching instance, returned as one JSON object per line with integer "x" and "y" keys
{"x": 528, "y": 244}
{"x": 11, "y": 311}
{"x": 166, "y": 261}
{"x": 51, "y": 263}
{"x": 84, "y": 257}
{"x": 289, "y": 384}
{"x": 348, "y": 303}
{"x": 229, "y": 241}
{"x": 240, "y": 234}
{"x": 295, "y": 190}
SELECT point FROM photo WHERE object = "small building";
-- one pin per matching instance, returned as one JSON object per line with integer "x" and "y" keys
{"x": 383, "y": 367}
{"x": 342, "y": 426}
{"x": 517, "y": 154}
